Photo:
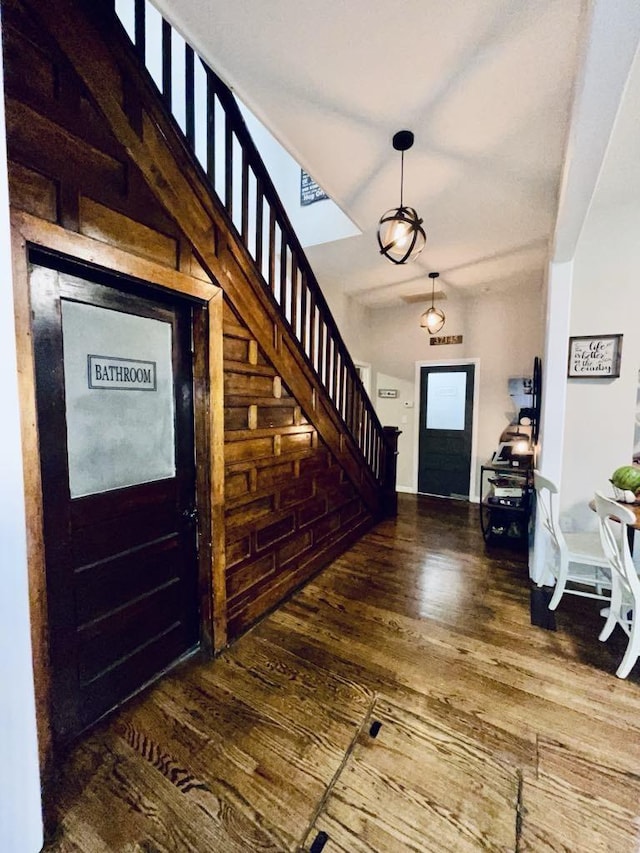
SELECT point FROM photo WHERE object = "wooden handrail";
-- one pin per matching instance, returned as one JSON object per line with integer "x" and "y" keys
{"x": 237, "y": 175}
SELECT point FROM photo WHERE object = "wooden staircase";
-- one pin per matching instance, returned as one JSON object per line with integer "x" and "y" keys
{"x": 225, "y": 161}
{"x": 292, "y": 464}
{"x": 300, "y": 465}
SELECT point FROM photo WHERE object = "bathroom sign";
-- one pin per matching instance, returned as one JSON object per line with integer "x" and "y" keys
{"x": 121, "y": 374}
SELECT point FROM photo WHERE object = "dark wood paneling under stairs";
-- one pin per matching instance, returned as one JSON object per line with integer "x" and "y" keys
{"x": 400, "y": 702}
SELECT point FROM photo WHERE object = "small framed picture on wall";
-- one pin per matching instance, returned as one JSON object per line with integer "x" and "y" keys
{"x": 594, "y": 357}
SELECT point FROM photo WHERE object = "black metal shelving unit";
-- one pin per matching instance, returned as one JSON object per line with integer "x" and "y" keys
{"x": 505, "y": 519}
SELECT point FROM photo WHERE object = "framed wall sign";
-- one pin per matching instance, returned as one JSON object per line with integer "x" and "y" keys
{"x": 442, "y": 340}
{"x": 594, "y": 356}
{"x": 310, "y": 192}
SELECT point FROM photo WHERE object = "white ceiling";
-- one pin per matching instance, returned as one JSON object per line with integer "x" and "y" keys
{"x": 485, "y": 85}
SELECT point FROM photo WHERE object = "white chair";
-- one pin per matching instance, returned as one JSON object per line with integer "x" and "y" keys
{"x": 614, "y": 519}
{"x": 581, "y": 559}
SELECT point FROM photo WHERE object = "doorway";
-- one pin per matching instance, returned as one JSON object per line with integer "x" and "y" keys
{"x": 363, "y": 370}
{"x": 114, "y": 392}
{"x": 445, "y": 429}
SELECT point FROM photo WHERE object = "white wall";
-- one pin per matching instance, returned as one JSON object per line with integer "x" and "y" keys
{"x": 397, "y": 341}
{"x": 396, "y": 412}
{"x": 504, "y": 330}
{"x": 600, "y": 413}
{"x": 20, "y": 816}
{"x": 353, "y": 320}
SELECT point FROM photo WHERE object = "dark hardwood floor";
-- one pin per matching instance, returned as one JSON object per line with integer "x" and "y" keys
{"x": 400, "y": 701}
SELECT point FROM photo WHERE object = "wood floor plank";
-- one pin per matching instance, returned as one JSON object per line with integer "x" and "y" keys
{"x": 558, "y": 818}
{"x": 516, "y": 667}
{"x": 300, "y": 724}
{"x": 463, "y": 711}
{"x": 249, "y": 751}
{"x": 484, "y": 693}
{"x": 418, "y": 785}
{"x": 132, "y": 806}
{"x": 592, "y": 774}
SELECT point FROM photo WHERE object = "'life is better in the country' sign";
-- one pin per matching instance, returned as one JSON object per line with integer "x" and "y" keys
{"x": 121, "y": 374}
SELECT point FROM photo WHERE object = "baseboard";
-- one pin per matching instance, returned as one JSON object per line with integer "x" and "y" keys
{"x": 410, "y": 490}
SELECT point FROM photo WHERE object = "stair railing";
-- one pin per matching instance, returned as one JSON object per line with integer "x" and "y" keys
{"x": 210, "y": 119}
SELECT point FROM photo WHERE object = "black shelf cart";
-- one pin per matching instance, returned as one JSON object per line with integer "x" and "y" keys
{"x": 504, "y": 519}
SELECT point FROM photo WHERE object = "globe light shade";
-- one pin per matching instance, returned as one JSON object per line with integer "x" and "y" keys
{"x": 401, "y": 236}
{"x": 432, "y": 320}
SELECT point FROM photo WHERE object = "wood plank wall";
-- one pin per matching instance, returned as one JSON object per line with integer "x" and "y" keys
{"x": 65, "y": 166}
{"x": 289, "y": 507}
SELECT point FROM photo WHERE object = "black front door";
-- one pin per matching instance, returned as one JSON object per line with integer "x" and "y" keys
{"x": 115, "y": 421}
{"x": 446, "y": 430}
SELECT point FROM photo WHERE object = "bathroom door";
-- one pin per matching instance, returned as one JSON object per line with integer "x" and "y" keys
{"x": 115, "y": 424}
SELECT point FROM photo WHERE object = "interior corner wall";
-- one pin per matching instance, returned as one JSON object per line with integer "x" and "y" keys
{"x": 553, "y": 404}
{"x": 20, "y": 810}
{"x": 601, "y": 413}
{"x": 399, "y": 411}
{"x": 505, "y": 332}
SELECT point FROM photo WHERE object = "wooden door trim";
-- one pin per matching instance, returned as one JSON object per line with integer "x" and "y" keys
{"x": 453, "y": 362}
{"x": 28, "y": 231}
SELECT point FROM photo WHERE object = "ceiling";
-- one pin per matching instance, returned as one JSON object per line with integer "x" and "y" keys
{"x": 485, "y": 85}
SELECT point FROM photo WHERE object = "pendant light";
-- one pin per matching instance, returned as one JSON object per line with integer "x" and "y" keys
{"x": 401, "y": 236}
{"x": 433, "y": 318}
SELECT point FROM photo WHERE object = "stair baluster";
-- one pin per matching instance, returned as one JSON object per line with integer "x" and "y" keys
{"x": 238, "y": 176}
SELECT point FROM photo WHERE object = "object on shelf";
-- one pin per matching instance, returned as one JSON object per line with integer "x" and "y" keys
{"x": 506, "y": 487}
{"x": 514, "y": 530}
{"x": 516, "y": 453}
{"x": 494, "y": 500}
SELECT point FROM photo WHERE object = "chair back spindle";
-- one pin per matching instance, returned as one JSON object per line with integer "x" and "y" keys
{"x": 614, "y": 519}
{"x": 580, "y": 566}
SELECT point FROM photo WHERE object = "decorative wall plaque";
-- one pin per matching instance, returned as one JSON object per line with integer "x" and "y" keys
{"x": 445, "y": 339}
{"x": 594, "y": 357}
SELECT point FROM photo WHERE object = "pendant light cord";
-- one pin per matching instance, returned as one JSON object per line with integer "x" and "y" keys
{"x": 401, "y": 178}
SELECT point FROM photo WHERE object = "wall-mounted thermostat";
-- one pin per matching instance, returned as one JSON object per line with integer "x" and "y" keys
{"x": 387, "y": 392}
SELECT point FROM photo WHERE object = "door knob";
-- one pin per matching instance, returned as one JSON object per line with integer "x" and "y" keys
{"x": 190, "y": 513}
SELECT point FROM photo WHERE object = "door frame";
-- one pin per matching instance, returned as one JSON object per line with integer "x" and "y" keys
{"x": 452, "y": 362}
{"x": 365, "y": 377}
{"x": 28, "y": 232}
